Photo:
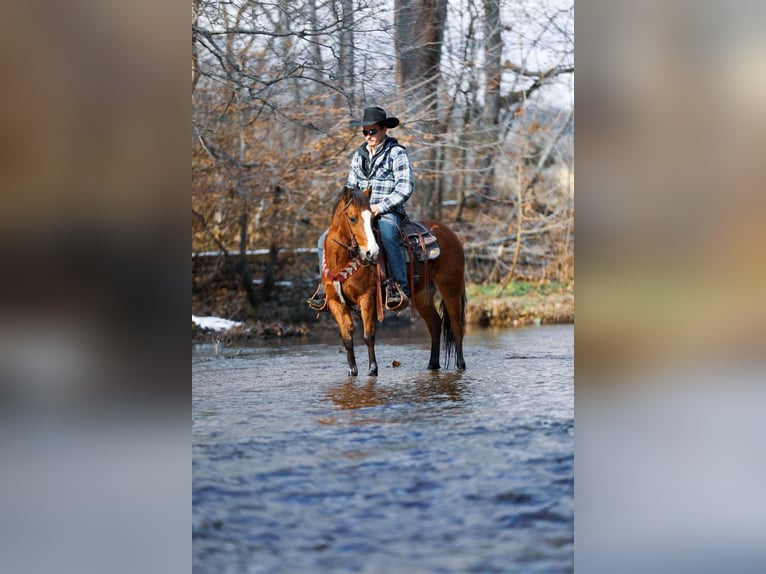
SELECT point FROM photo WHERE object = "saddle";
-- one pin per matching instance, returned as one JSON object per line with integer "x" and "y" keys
{"x": 419, "y": 245}
{"x": 418, "y": 242}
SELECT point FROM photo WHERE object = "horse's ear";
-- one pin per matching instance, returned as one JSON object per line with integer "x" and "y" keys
{"x": 368, "y": 192}
{"x": 345, "y": 194}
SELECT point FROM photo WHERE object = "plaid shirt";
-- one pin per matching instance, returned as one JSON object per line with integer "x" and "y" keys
{"x": 390, "y": 175}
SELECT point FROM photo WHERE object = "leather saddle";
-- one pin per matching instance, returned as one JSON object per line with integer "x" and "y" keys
{"x": 418, "y": 242}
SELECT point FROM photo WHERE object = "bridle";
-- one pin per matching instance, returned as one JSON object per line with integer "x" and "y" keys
{"x": 355, "y": 262}
{"x": 353, "y": 249}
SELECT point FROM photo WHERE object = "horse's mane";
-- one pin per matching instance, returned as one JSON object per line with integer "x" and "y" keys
{"x": 358, "y": 199}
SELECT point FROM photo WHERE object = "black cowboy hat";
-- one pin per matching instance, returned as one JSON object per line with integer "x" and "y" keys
{"x": 375, "y": 115}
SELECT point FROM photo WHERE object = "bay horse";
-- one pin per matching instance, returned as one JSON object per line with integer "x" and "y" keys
{"x": 351, "y": 282}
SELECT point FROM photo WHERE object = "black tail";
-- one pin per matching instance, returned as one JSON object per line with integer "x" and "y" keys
{"x": 448, "y": 338}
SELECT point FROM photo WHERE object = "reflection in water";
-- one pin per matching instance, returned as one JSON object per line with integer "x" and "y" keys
{"x": 354, "y": 394}
{"x": 349, "y": 395}
{"x": 440, "y": 386}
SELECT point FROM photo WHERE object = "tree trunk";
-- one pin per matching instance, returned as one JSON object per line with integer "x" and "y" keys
{"x": 418, "y": 41}
{"x": 346, "y": 77}
{"x": 418, "y": 36}
{"x": 195, "y": 54}
{"x": 493, "y": 54}
{"x": 316, "y": 53}
{"x": 268, "y": 280}
{"x": 247, "y": 277}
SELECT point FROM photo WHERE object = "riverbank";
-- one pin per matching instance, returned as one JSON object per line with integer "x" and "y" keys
{"x": 519, "y": 304}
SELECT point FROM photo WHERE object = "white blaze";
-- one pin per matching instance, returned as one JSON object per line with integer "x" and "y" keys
{"x": 372, "y": 245}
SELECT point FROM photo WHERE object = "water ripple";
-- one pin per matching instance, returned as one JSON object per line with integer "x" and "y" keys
{"x": 410, "y": 472}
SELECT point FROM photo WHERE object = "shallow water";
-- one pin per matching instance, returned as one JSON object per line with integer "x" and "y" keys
{"x": 299, "y": 468}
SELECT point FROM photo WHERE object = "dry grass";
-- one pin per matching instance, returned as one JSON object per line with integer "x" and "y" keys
{"x": 520, "y": 304}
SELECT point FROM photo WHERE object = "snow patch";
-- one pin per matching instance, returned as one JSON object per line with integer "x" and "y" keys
{"x": 215, "y": 323}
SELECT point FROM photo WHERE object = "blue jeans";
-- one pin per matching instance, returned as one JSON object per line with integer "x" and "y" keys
{"x": 388, "y": 224}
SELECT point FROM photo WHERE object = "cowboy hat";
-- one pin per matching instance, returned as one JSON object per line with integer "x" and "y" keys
{"x": 375, "y": 115}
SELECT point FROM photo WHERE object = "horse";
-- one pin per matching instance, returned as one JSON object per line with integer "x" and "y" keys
{"x": 351, "y": 281}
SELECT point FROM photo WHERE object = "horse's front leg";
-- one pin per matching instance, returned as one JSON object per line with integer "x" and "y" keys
{"x": 346, "y": 326}
{"x": 368, "y": 307}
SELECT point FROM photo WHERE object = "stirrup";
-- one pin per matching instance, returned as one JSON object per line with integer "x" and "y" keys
{"x": 401, "y": 303}
{"x": 315, "y": 303}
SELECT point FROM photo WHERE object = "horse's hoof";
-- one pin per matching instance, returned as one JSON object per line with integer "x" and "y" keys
{"x": 373, "y": 371}
{"x": 352, "y": 372}
{"x": 434, "y": 366}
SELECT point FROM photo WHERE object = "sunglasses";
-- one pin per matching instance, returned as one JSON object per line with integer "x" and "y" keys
{"x": 370, "y": 132}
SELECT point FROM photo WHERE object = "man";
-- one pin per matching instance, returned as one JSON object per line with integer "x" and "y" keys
{"x": 381, "y": 163}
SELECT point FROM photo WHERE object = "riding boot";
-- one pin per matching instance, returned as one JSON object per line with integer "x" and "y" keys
{"x": 318, "y": 301}
{"x": 396, "y": 298}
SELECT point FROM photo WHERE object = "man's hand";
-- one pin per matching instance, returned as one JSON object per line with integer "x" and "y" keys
{"x": 375, "y": 210}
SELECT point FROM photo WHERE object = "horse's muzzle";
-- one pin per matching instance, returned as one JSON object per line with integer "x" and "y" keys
{"x": 370, "y": 257}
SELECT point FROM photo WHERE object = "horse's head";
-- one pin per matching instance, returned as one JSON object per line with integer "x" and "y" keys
{"x": 354, "y": 208}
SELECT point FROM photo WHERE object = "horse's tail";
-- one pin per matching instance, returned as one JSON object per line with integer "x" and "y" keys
{"x": 447, "y": 335}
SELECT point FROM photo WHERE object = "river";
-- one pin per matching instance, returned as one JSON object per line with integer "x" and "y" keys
{"x": 298, "y": 468}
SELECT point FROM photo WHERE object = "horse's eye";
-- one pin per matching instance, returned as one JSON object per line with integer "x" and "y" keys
{"x": 352, "y": 219}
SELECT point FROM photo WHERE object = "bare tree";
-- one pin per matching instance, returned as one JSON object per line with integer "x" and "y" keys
{"x": 274, "y": 84}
